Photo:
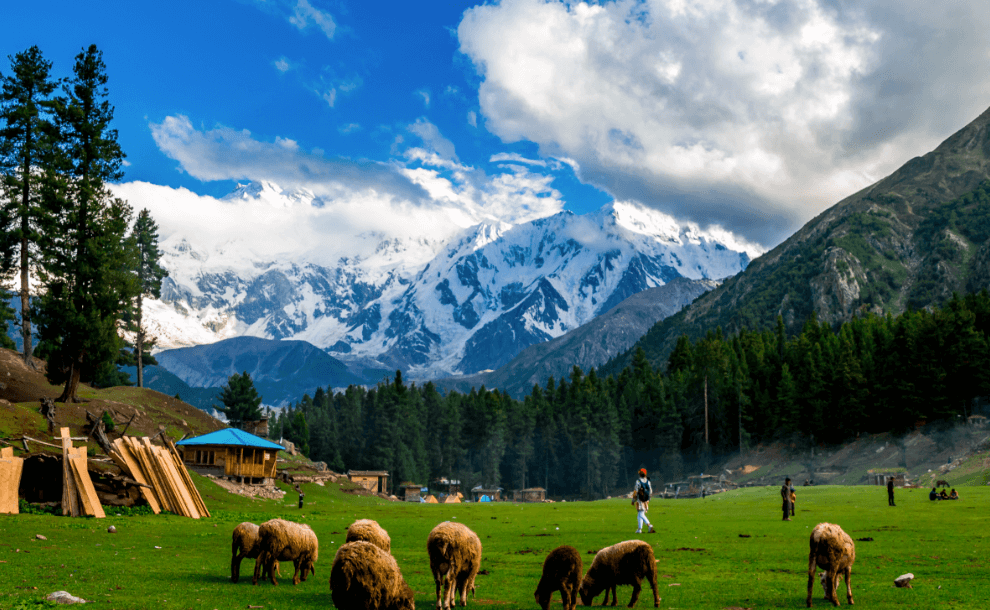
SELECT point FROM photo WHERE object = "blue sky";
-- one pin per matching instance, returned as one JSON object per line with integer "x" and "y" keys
{"x": 754, "y": 116}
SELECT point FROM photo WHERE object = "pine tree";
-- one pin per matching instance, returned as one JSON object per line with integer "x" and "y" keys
{"x": 83, "y": 251}
{"x": 240, "y": 399}
{"x": 150, "y": 274}
{"x": 25, "y": 103}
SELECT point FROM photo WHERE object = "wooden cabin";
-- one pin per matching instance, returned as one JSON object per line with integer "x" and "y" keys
{"x": 532, "y": 494}
{"x": 494, "y": 494}
{"x": 231, "y": 453}
{"x": 411, "y": 492}
{"x": 446, "y": 486}
{"x": 375, "y": 481}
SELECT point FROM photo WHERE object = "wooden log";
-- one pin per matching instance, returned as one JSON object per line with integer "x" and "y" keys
{"x": 48, "y": 411}
{"x": 98, "y": 431}
{"x": 197, "y": 498}
{"x": 88, "y": 499}
{"x": 70, "y": 498}
{"x": 131, "y": 466}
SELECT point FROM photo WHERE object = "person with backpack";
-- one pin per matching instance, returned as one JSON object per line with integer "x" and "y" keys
{"x": 641, "y": 499}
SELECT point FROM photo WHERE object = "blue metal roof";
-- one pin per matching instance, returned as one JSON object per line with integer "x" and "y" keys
{"x": 231, "y": 437}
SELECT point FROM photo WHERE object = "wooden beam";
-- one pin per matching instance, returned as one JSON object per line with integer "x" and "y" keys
{"x": 89, "y": 501}
{"x": 70, "y": 499}
{"x": 130, "y": 465}
{"x": 151, "y": 474}
{"x": 181, "y": 467}
{"x": 11, "y": 469}
{"x": 179, "y": 485}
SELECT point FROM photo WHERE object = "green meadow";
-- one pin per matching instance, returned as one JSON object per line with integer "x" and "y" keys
{"x": 728, "y": 551}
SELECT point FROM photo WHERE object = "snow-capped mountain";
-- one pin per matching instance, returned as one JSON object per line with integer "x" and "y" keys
{"x": 430, "y": 306}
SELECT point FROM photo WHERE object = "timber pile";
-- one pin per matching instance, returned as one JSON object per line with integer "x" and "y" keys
{"x": 78, "y": 494}
{"x": 165, "y": 483}
{"x": 10, "y": 480}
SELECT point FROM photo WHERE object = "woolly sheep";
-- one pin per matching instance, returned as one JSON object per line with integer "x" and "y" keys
{"x": 369, "y": 531}
{"x": 625, "y": 563}
{"x": 245, "y": 544}
{"x": 364, "y": 577}
{"x": 286, "y": 541}
{"x": 455, "y": 558}
{"x": 561, "y": 572}
{"x": 834, "y": 551}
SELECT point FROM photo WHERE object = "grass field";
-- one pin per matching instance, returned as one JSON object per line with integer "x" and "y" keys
{"x": 171, "y": 562}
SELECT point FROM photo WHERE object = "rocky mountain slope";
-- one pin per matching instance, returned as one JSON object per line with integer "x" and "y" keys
{"x": 433, "y": 308}
{"x": 911, "y": 239}
{"x": 591, "y": 344}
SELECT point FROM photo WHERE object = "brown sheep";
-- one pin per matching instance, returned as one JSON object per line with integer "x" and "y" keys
{"x": 625, "y": 563}
{"x": 455, "y": 558}
{"x": 364, "y": 577}
{"x": 245, "y": 544}
{"x": 834, "y": 551}
{"x": 369, "y": 531}
{"x": 286, "y": 541}
{"x": 561, "y": 572}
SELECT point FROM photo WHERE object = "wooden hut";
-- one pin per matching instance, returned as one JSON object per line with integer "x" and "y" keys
{"x": 411, "y": 492}
{"x": 231, "y": 453}
{"x": 494, "y": 494}
{"x": 446, "y": 486}
{"x": 375, "y": 481}
{"x": 533, "y": 494}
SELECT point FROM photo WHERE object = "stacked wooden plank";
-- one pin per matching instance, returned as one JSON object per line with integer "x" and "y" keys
{"x": 78, "y": 495}
{"x": 10, "y": 479}
{"x": 160, "y": 468}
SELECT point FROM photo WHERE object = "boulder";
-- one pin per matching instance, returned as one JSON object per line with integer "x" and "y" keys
{"x": 904, "y": 580}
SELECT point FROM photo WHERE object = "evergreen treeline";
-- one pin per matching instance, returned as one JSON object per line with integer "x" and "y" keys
{"x": 584, "y": 436}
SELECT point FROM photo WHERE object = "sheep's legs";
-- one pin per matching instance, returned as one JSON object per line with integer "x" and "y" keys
{"x": 565, "y": 597}
{"x": 635, "y": 596}
{"x": 833, "y": 585}
{"x": 849, "y": 590}
{"x": 437, "y": 581}
{"x": 811, "y": 576}
{"x": 262, "y": 558}
{"x": 235, "y": 567}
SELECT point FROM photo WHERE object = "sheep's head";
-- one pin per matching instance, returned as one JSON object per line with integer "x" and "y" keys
{"x": 404, "y": 600}
{"x": 588, "y": 591}
{"x": 543, "y": 597}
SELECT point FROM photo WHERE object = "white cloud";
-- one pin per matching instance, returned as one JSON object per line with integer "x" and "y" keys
{"x": 755, "y": 114}
{"x": 517, "y": 158}
{"x": 305, "y": 14}
{"x": 425, "y": 94}
{"x": 472, "y": 118}
{"x": 282, "y": 64}
{"x": 349, "y": 128}
{"x": 223, "y": 153}
{"x": 433, "y": 139}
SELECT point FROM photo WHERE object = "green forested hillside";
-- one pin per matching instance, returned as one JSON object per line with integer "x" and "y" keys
{"x": 910, "y": 240}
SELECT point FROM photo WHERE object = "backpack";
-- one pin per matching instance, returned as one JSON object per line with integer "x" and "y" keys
{"x": 643, "y": 491}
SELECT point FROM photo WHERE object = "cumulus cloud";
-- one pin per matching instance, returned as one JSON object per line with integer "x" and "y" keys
{"x": 282, "y": 65}
{"x": 224, "y": 153}
{"x": 753, "y": 115}
{"x": 425, "y": 94}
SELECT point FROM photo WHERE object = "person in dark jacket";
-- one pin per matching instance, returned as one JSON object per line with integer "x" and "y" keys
{"x": 933, "y": 495}
{"x": 785, "y": 496}
{"x": 890, "y": 491}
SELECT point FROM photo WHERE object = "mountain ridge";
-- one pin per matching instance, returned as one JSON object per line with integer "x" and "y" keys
{"x": 860, "y": 255}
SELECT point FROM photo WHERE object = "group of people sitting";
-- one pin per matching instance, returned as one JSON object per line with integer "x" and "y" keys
{"x": 934, "y": 495}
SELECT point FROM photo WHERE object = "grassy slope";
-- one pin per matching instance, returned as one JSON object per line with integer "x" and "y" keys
{"x": 699, "y": 548}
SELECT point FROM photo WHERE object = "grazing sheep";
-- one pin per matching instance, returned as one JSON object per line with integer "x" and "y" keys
{"x": 286, "y": 541}
{"x": 245, "y": 544}
{"x": 369, "y": 531}
{"x": 364, "y": 577}
{"x": 561, "y": 572}
{"x": 625, "y": 563}
{"x": 834, "y": 551}
{"x": 455, "y": 558}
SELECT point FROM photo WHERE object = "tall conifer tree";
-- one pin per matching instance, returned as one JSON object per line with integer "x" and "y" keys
{"x": 25, "y": 105}
{"x": 83, "y": 250}
{"x": 150, "y": 274}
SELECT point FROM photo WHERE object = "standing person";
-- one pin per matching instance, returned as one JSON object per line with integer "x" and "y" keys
{"x": 890, "y": 491}
{"x": 793, "y": 500}
{"x": 785, "y": 496}
{"x": 641, "y": 498}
